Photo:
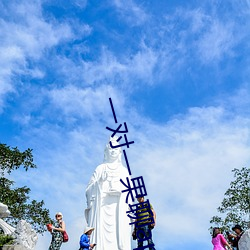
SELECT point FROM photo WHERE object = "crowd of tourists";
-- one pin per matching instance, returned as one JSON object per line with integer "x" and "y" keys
{"x": 219, "y": 241}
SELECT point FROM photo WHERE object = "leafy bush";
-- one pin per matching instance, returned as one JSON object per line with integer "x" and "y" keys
{"x": 6, "y": 240}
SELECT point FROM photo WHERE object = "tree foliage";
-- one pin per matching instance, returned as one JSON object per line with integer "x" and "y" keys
{"x": 17, "y": 199}
{"x": 6, "y": 240}
{"x": 235, "y": 207}
{"x": 13, "y": 158}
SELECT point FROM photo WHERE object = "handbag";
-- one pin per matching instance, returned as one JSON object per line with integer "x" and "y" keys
{"x": 49, "y": 227}
{"x": 65, "y": 236}
{"x": 134, "y": 234}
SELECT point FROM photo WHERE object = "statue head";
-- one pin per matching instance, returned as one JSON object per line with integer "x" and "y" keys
{"x": 4, "y": 212}
{"x": 112, "y": 154}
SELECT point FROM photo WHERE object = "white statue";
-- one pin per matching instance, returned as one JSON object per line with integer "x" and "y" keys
{"x": 106, "y": 205}
{"x": 4, "y": 212}
{"x": 244, "y": 242}
{"x": 25, "y": 235}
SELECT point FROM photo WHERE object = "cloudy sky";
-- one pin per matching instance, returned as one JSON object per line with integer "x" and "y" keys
{"x": 178, "y": 74}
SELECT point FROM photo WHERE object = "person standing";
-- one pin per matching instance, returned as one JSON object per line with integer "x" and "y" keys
{"x": 85, "y": 239}
{"x": 218, "y": 240}
{"x": 239, "y": 231}
{"x": 56, "y": 231}
{"x": 144, "y": 223}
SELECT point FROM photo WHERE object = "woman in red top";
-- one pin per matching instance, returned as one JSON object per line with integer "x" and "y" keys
{"x": 218, "y": 240}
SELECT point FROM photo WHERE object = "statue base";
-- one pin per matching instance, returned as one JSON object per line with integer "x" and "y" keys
{"x": 12, "y": 247}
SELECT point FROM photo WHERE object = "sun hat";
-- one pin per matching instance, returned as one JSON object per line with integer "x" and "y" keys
{"x": 87, "y": 229}
{"x": 59, "y": 213}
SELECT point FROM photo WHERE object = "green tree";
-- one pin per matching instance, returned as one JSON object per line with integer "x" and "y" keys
{"x": 17, "y": 199}
{"x": 235, "y": 207}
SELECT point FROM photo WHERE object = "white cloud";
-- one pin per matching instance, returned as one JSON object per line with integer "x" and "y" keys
{"x": 217, "y": 42}
{"x": 30, "y": 32}
{"x": 105, "y": 69}
{"x": 84, "y": 102}
{"x": 240, "y": 101}
{"x": 143, "y": 63}
{"x": 25, "y": 35}
{"x": 198, "y": 19}
{"x": 131, "y": 12}
{"x": 198, "y": 33}
{"x": 10, "y": 58}
{"x": 121, "y": 71}
{"x": 80, "y": 3}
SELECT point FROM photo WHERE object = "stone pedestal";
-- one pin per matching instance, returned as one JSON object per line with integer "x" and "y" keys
{"x": 13, "y": 247}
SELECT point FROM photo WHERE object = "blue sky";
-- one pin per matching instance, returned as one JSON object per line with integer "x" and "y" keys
{"x": 178, "y": 75}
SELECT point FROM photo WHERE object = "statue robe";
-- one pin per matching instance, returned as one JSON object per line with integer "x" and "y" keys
{"x": 106, "y": 208}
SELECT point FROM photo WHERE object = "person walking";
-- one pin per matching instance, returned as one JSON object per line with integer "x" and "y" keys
{"x": 56, "y": 232}
{"x": 85, "y": 239}
{"x": 218, "y": 240}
